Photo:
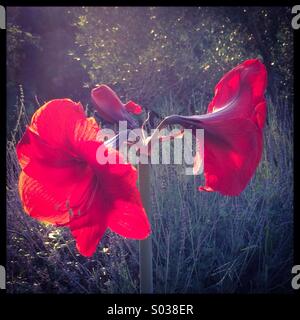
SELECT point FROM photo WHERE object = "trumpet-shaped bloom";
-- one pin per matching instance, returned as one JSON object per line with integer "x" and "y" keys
{"x": 233, "y": 128}
{"x": 62, "y": 183}
{"x": 110, "y": 107}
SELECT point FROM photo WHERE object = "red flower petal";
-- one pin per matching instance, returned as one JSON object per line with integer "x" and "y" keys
{"x": 129, "y": 220}
{"x": 241, "y": 89}
{"x": 115, "y": 204}
{"x": 63, "y": 177}
{"x": 62, "y": 182}
{"x": 40, "y": 204}
{"x": 33, "y": 147}
{"x": 56, "y": 120}
{"x": 233, "y": 138}
{"x": 126, "y": 215}
{"x": 259, "y": 115}
{"x": 232, "y": 150}
{"x": 48, "y": 193}
{"x": 88, "y": 226}
{"x": 132, "y": 107}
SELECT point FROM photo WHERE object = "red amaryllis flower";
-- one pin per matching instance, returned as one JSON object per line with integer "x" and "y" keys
{"x": 233, "y": 138}
{"x": 110, "y": 107}
{"x": 62, "y": 183}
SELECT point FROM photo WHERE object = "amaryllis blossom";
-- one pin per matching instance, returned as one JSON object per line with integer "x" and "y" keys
{"x": 233, "y": 128}
{"x": 62, "y": 183}
{"x": 110, "y": 107}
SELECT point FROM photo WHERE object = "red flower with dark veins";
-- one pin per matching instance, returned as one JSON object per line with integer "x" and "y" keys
{"x": 62, "y": 183}
{"x": 233, "y": 128}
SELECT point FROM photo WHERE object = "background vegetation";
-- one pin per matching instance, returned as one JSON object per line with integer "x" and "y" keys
{"x": 168, "y": 60}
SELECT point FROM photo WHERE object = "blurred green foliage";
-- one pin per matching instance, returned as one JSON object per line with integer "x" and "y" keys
{"x": 145, "y": 53}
